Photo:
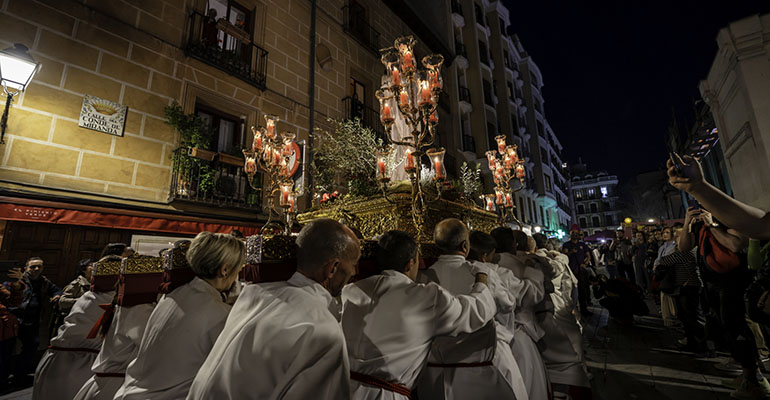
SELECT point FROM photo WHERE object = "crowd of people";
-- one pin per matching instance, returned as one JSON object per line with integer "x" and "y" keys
{"x": 493, "y": 317}
{"x": 496, "y": 315}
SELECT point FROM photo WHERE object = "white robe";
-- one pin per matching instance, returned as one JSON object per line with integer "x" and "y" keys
{"x": 60, "y": 374}
{"x": 119, "y": 348}
{"x": 389, "y": 323}
{"x": 180, "y": 333}
{"x": 563, "y": 354}
{"x": 500, "y": 380}
{"x": 527, "y": 330}
{"x": 279, "y": 342}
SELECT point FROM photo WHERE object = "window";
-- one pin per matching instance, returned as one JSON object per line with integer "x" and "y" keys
{"x": 228, "y": 129}
{"x": 542, "y": 215}
{"x": 491, "y": 133}
{"x": 540, "y": 128}
{"x": 578, "y": 194}
{"x": 543, "y": 155}
{"x": 548, "y": 185}
{"x": 479, "y": 15}
{"x": 502, "y": 27}
{"x": 483, "y": 52}
{"x": 488, "y": 93}
{"x": 581, "y": 209}
{"x": 538, "y": 106}
{"x": 511, "y": 92}
{"x": 531, "y": 211}
{"x": 609, "y": 219}
{"x": 594, "y": 208}
{"x": 533, "y": 77}
{"x": 582, "y": 222}
{"x": 604, "y": 191}
{"x": 237, "y": 15}
{"x": 506, "y": 58}
{"x": 595, "y": 221}
{"x": 521, "y": 206}
{"x": 591, "y": 193}
{"x": 494, "y": 87}
{"x": 356, "y": 104}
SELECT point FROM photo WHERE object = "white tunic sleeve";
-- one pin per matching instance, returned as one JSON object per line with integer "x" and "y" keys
{"x": 462, "y": 313}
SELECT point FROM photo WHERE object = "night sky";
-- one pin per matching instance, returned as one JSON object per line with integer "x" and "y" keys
{"x": 613, "y": 70}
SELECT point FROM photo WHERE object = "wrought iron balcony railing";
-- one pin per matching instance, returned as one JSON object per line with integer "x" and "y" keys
{"x": 226, "y": 47}
{"x": 357, "y": 27}
{"x": 213, "y": 179}
{"x": 369, "y": 117}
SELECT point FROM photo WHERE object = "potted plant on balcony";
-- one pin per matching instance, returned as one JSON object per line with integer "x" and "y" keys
{"x": 233, "y": 156}
{"x": 193, "y": 153}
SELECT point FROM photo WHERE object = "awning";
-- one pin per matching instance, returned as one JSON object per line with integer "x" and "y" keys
{"x": 67, "y": 216}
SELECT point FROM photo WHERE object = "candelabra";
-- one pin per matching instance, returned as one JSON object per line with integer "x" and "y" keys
{"x": 271, "y": 153}
{"x": 505, "y": 165}
{"x": 414, "y": 94}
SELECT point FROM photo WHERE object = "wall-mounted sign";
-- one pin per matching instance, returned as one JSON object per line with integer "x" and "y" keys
{"x": 103, "y": 115}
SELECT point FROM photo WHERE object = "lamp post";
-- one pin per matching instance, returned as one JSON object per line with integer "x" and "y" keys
{"x": 17, "y": 68}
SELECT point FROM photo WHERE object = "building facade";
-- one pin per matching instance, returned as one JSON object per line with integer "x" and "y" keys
{"x": 595, "y": 199}
{"x": 736, "y": 90}
{"x": 66, "y": 190}
{"x": 500, "y": 93}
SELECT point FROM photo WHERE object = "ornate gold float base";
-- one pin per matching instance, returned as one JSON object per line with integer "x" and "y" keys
{"x": 375, "y": 215}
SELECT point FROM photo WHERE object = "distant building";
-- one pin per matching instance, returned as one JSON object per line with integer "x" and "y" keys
{"x": 736, "y": 89}
{"x": 595, "y": 200}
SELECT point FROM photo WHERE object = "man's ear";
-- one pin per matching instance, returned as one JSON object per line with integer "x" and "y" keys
{"x": 331, "y": 268}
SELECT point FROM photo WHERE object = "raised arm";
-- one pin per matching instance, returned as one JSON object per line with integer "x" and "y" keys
{"x": 742, "y": 217}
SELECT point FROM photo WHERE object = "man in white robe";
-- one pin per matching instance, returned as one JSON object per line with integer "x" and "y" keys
{"x": 563, "y": 353}
{"x": 134, "y": 304}
{"x": 474, "y": 365}
{"x": 390, "y": 321}
{"x": 527, "y": 331}
{"x": 66, "y": 365}
{"x": 280, "y": 340}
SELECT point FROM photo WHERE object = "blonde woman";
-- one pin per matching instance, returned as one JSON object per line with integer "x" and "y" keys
{"x": 186, "y": 322}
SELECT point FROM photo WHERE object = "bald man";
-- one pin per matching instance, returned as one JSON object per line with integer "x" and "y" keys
{"x": 475, "y": 365}
{"x": 280, "y": 339}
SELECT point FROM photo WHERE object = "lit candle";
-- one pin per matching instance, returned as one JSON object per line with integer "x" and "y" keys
{"x": 499, "y": 197}
{"x": 387, "y": 117}
{"x": 490, "y": 202}
{"x": 433, "y": 119}
{"x": 395, "y": 76}
{"x": 276, "y": 157}
{"x": 508, "y": 200}
{"x": 285, "y": 191}
{"x": 508, "y": 161}
{"x": 409, "y": 166}
{"x": 382, "y": 167}
{"x": 424, "y": 94}
{"x": 257, "y": 145}
{"x": 491, "y": 159}
{"x": 270, "y": 128}
{"x": 501, "y": 144}
{"x": 408, "y": 63}
{"x": 520, "y": 171}
{"x": 291, "y": 201}
{"x": 439, "y": 168}
{"x": 403, "y": 98}
{"x": 251, "y": 166}
{"x": 434, "y": 82}
{"x": 325, "y": 198}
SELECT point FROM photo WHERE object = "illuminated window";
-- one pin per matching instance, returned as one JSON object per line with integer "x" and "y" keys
{"x": 604, "y": 191}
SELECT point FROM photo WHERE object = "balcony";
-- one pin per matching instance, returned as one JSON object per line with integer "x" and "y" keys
{"x": 469, "y": 144}
{"x": 356, "y": 26}
{"x": 216, "y": 181}
{"x": 465, "y": 94}
{"x": 228, "y": 48}
{"x": 370, "y": 118}
{"x": 460, "y": 50}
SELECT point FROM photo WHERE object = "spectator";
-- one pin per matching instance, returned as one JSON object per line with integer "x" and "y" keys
{"x": 38, "y": 291}
{"x": 579, "y": 259}
{"x": 620, "y": 248}
{"x": 666, "y": 247}
{"x": 11, "y": 295}
{"x": 620, "y": 297}
{"x": 639, "y": 250}
{"x": 72, "y": 292}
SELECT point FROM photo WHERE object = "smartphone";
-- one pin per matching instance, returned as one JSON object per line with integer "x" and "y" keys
{"x": 675, "y": 161}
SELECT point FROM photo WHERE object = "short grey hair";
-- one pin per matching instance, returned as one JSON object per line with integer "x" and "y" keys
{"x": 321, "y": 240}
{"x": 210, "y": 251}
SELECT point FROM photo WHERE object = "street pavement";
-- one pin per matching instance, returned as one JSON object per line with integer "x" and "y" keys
{"x": 642, "y": 362}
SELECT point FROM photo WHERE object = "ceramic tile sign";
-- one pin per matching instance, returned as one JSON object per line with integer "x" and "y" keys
{"x": 103, "y": 115}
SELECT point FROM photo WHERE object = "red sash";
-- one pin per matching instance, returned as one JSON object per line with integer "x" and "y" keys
{"x": 382, "y": 384}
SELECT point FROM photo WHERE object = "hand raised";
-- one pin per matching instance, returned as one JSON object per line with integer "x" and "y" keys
{"x": 691, "y": 175}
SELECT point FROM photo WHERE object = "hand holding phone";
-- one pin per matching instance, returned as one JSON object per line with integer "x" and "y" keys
{"x": 675, "y": 161}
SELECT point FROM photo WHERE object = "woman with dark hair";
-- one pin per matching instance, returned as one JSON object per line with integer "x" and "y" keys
{"x": 82, "y": 283}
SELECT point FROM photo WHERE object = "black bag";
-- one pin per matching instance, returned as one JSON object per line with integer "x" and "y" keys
{"x": 666, "y": 276}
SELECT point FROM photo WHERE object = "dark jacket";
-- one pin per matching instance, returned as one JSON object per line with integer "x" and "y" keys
{"x": 36, "y": 294}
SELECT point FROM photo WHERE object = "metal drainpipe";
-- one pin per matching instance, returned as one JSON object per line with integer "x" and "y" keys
{"x": 311, "y": 106}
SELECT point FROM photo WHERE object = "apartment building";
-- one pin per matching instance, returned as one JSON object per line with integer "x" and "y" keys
{"x": 500, "y": 92}
{"x": 595, "y": 200}
{"x": 68, "y": 190}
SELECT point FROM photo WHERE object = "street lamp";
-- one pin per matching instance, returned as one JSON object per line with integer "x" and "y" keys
{"x": 17, "y": 68}
{"x": 651, "y": 220}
